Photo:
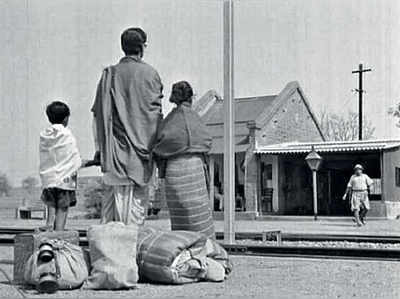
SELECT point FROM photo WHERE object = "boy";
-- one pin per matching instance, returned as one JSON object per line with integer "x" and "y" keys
{"x": 59, "y": 163}
{"x": 359, "y": 187}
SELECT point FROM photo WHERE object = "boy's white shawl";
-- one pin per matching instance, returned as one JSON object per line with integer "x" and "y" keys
{"x": 59, "y": 155}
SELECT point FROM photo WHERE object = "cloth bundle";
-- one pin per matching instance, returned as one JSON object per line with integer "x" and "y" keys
{"x": 112, "y": 249}
{"x": 180, "y": 257}
{"x": 68, "y": 266}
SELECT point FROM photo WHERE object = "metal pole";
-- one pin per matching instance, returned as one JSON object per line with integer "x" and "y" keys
{"x": 315, "y": 194}
{"x": 360, "y": 102}
{"x": 229, "y": 125}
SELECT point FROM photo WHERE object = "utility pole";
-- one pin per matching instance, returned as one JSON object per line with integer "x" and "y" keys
{"x": 360, "y": 91}
{"x": 229, "y": 126}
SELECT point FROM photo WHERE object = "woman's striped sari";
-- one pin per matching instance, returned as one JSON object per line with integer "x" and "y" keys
{"x": 187, "y": 195}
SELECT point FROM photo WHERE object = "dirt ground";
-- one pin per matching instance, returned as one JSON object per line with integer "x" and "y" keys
{"x": 255, "y": 277}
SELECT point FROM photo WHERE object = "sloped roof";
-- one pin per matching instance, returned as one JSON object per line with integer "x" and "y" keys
{"x": 258, "y": 110}
{"x": 328, "y": 146}
{"x": 246, "y": 109}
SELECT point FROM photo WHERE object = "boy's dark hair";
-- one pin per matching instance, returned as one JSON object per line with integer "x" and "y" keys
{"x": 133, "y": 40}
{"x": 57, "y": 112}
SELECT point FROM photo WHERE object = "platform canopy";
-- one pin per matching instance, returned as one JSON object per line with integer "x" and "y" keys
{"x": 328, "y": 147}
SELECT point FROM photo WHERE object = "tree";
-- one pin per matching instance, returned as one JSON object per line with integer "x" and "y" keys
{"x": 29, "y": 183}
{"x": 395, "y": 112}
{"x": 344, "y": 127}
{"x": 5, "y": 185}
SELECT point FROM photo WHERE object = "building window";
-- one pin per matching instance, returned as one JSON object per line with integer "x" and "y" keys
{"x": 397, "y": 177}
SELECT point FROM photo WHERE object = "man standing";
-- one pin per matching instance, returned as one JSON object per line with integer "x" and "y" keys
{"x": 359, "y": 187}
{"x": 127, "y": 110}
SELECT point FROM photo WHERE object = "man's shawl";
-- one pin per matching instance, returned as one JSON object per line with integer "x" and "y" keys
{"x": 181, "y": 132}
{"x": 127, "y": 112}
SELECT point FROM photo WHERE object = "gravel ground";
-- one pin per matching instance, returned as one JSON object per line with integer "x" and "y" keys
{"x": 258, "y": 277}
{"x": 336, "y": 244}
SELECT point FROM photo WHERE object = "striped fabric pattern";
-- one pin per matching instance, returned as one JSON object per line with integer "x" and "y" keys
{"x": 156, "y": 251}
{"x": 187, "y": 195}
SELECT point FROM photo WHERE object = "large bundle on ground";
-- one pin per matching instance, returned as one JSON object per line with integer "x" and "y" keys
{"x": 179, "y": 257}
{"x": 65, "y": 266}
{"x": 113, "y": 256}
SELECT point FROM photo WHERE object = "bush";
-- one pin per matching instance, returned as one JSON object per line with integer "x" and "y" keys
{"x": 94, "y": 193}
{"x": 29, "y": 183}
{"x": 5, "y": 185}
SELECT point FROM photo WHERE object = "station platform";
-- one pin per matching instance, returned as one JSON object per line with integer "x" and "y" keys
{"x": 293, "y": 225}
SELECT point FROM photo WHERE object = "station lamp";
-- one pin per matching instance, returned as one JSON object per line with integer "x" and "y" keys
{"x": 314, "y": 162}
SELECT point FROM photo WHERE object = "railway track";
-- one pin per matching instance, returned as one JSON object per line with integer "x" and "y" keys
{"x": 259, "y": 236}
{"x": 315, "y": 252}
{"x": 319, "y": 237}
{"x": 7, "y": 239}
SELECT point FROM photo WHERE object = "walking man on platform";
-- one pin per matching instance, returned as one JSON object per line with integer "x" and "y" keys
{"x": 359, "y": 188}
{"x": 127, "y": 111}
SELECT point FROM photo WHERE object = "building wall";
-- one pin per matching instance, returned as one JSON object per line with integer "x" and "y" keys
{"x": 391, "y": 160}
{"x": 391, "y": 192}
{"x": 292, "y": 122}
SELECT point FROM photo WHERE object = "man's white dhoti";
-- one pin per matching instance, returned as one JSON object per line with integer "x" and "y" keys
{"x": 125, "y": 203}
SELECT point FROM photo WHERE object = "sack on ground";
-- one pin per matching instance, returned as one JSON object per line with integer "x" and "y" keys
{"x": 68, "y": 266}
{"x": 178, "y": 257}
{"x": 113, "y": 256}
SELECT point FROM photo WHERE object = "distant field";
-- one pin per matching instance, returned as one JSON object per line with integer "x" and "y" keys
{"x": 18, "y": 196}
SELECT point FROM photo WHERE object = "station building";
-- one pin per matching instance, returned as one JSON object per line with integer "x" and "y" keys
{"x": 291, "y": 180}
{"x": 273, "y": 135}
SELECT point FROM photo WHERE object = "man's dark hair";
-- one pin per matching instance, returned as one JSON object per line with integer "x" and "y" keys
{"x": 57, "y": 112}
{"x": 141, "y": 32}
{"x": 133, "y": 40}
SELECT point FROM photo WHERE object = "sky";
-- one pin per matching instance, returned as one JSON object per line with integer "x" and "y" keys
{"x": 57, "y": 50}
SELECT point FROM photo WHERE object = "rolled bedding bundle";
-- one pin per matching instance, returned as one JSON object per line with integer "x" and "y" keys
{"x": 178, "y": 257}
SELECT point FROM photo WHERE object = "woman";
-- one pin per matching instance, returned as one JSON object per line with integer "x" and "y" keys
{"x": 180, "y": 151}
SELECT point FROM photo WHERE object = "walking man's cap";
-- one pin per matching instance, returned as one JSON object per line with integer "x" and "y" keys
{"x": 358, "y": 166}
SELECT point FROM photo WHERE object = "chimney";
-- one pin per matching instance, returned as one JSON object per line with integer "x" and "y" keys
{"x": 202, "y": 105}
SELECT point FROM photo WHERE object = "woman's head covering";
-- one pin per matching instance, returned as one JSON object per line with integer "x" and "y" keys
{"x": 181, "y": 92}
{"x": 358, "y": 166}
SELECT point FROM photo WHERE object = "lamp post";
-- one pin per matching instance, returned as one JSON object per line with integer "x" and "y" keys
{"x": 314, "y": 162}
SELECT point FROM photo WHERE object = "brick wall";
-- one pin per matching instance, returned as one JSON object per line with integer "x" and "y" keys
{"x": 292, "y": 122}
